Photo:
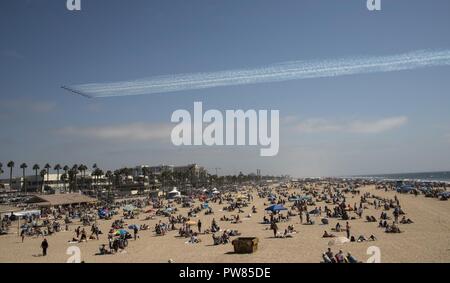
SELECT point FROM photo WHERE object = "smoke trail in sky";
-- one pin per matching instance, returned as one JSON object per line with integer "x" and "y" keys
{"x": 292, "y": 70}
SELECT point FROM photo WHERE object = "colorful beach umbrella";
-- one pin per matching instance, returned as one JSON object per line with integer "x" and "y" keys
{"x": 121, "y": 232}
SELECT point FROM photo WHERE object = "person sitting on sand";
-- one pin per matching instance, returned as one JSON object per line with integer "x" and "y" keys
{"x": 103, "y": 250}
{"x": 194, "y": 239}
{"x": 338, "y": 227}
{"x": 216, "y": 240}
{"x": 225, "y": 238}
{"x": 361, "y": 238}
{"x": 83, "y": 236}
{"x": 287, "y": 234}
{"x": 291, "y": 229}
{"x": 340, "y": 257}
{"x": 330, "y": 255}
{"x": 326, "y": 259}
{"x": 351, "y": 259}
{"x": 406, "y": 221}
{"x": 392, "y": 229}
{"x": 328, "y": 235}
{"x": 371, "y": 218}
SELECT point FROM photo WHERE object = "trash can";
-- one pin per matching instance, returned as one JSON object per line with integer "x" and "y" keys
{"x": 246, "y": 245}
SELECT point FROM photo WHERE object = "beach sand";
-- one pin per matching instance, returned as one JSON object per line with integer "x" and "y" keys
{"x": 427, "y": 240}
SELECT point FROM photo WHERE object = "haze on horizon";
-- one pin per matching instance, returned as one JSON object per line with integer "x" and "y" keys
{"x": 376, "y": 123}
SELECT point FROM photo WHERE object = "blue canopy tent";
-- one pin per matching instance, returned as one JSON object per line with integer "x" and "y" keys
{"x": 275, "y": 208}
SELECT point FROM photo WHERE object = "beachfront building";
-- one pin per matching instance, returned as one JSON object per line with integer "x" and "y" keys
{"x": 33, "y": 183}
{"x": 55, "y": 183}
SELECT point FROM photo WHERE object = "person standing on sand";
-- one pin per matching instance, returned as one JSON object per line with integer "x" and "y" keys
{"x": 77, "y": 231}
{"x": 44, "y": 246}
{"x": 301, "y": 217}
{"x": 136, "y": 231}
{"x": 275, "y": 229}
{"x": 347, "y": 228}
{"x": 22, "y": 234}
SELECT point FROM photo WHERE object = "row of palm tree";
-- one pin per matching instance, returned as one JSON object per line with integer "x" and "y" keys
{"x": 69, "y": 175}
{"x": 167, "y": 178}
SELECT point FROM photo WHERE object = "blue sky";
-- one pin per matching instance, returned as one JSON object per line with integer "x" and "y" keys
{"x": 43, "y": 46}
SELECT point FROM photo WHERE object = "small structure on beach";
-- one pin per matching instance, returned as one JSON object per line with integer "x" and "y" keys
{"x": 247, "y": 245}
{"x": 7, "y": 210}
{"x": 61, "y": 200}
{"x": 173, "y": 194}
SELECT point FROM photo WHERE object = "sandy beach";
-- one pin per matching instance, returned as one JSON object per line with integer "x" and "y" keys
{"x": 426, "y": 240}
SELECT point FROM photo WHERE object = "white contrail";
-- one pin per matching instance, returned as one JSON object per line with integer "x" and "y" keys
{"x": 292, "y": 70}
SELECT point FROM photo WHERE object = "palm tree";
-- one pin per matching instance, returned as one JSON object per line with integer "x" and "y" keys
{"x": 82, "y": 168}
{"x": 10, "y": 166}
{"x": 36, "y": 168}
{"x": 57, "y": 168}
{"x": 165, "y": 175}
{"x": 66, "y": 170}
{"x": 109, "y": 176}
{"x": 42, "y": 174}
{"x": 24, "y": 166}
{"x": 64, "y": 178}
{"x": 97, "y": 173}
{"x": 48, "y": 167}
{"x": 73, "y": 176}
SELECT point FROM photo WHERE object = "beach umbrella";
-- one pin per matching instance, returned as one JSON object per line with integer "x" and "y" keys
{"x": 338, "y": 241}
{"x": 121, "y": 232}
{"x": 275, "y": 208}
